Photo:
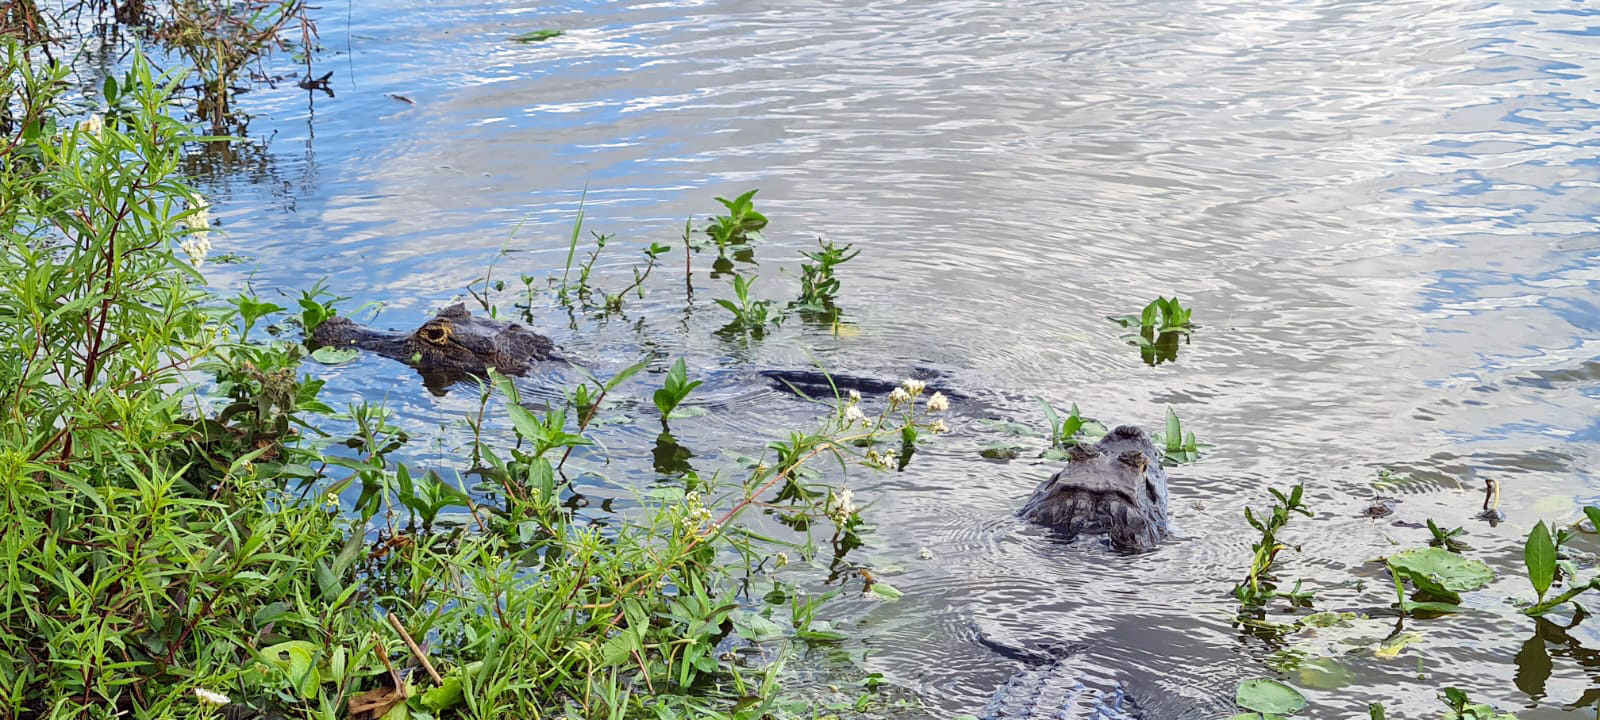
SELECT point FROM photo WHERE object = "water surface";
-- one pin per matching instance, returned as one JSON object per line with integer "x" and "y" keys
{"x": 1384, "y": 213}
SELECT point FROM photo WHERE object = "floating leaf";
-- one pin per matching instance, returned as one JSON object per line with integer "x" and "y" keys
{"x": 1323, "y": 674}
{"x": 886, "y": 591}
{"x": 1440, "y": 572}
{"x": 1269, "y": 696}
{"x": 334, "y": 355}
{"x": 538, "y": 36}
{"x": 1539, "y": 553}
{"x": 1392, "y": 646}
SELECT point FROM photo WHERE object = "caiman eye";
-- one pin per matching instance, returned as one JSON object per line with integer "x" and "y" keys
{"x": 436, "y": 334}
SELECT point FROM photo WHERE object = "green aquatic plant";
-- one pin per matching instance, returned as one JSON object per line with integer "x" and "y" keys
{"x": 1545, "y": 566}
{"x": 1258, "y": 587}
{"x": 739, "y": 226}
{"x": 1267, "y": 700}
{"x": 1447, "y": 539}
{"x": 1462, "y": 708}
{"x": 1162, "y": 315}
{"x": 750, "y": 316}
{"x": 1439, "y": 576}
{"x": 673, "y": 390}
{"x": 819, "y": 288}
{"x": 534, "y": 36}
{"x": 1178, "y": 447}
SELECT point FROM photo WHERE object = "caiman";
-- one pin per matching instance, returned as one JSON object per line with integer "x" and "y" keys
{"x": 455, "y": 344}
{"x": 448, "y": 347}
{"x": 1114, "y": 487}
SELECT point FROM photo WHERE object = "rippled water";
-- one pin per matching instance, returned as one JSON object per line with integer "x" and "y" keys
{"x": 1384, "y": 213}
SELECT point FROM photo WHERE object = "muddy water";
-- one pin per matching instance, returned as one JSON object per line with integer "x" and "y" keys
{"x": 1383, "y": 212}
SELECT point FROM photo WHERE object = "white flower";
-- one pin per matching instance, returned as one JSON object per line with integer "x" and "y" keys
{"x": 840, "y": 504}
{"x": 855, "y": 395}
{"x": 913, "y": 386}
{"x": 938, "y": 403}
{"x": 95, "y": 125}
{"x": 211, "y": 697}
{"x": 781, "y": 560}
{"x": 899, "y": 396}
{"x": 853, "y": 415}
{"x": 924, "y": 553}
{"x": 200, "y": 220}
{"x": 938, "y": 426}
{"x": 196, "y": 247}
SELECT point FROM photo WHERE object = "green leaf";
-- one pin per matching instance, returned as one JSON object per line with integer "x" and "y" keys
{"x": 886, "y": 591}
{"x": 1269, "y": 696}
{"x": 1439, "y": 571}
{"x": 334, "y": 355}
{"x": 1539, "y": 553}
{"x": 538, "y": 36}
{"x": 1593, "y": 514}
{"x": 447, "y": 695}
{"x": 755, "y": 627}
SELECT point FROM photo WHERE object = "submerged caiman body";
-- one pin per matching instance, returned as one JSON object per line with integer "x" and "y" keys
{"x": 1114, "y": 487}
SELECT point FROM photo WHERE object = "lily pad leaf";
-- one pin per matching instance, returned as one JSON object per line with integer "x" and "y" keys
{"x": 334, "y": 355}
{"x": 1439, "y": 572}
{"x": 1269, "y": 696}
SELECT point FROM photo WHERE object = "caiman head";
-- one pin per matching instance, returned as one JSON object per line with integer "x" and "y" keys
{"x": 1115, "y": 487}
{"x": 449, "y": 346}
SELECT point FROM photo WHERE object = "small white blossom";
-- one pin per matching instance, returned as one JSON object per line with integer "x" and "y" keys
{"x": 841, "y": 504}
{"x": 211, "y": 697}
{"x": 938, "y": 426}
{"x": 95, "y": 125}
{"x": 855, "y": 395}
{"x": 913, "y": 386}
{"x": 781, "y": 560}
{"x": 924, "y": 554}
{"x": 853, "y": 415}
{"x": 938, "y": 403}
{"x": 899, "y": 396}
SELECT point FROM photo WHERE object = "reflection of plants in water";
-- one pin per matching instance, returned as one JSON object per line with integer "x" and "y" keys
{"x": 219, "y": 38}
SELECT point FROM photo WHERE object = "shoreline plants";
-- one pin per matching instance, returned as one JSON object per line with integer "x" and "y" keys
{"x": 189, "y": 528}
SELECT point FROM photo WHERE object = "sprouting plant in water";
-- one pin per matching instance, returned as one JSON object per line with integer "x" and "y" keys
{"x": 1258, "y": 587}
{"x": 1541, "y": 554}
{"x": 1067, "y": 431}
{"x": 749, "y": 316}
{"x": 1178, "y": 447}
{"x": 739, "y": 226}
{"x": 676, "y": 387}
{"x": 818, "y": 286}
{"x": 1162, "y": 326}
{"x": 1462, "y": 708}
{"x": 1162, "y": 315}
{"x": 313, "y": 309}
{"x": 1447, "y": 539}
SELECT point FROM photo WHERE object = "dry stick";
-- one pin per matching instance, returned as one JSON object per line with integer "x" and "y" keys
{"x": 383, "y": 654}
{"x": 417, "y": 651}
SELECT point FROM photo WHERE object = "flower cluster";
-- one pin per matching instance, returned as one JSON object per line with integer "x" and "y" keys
{"x": 199, "y": 223}
{"x": 696, "y": 515}
{"x": 841, "y": 505}
{"x": 95, "y": 125}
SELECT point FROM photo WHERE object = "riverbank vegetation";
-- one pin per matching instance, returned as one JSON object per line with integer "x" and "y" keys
{"x": 182, "y": 533}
